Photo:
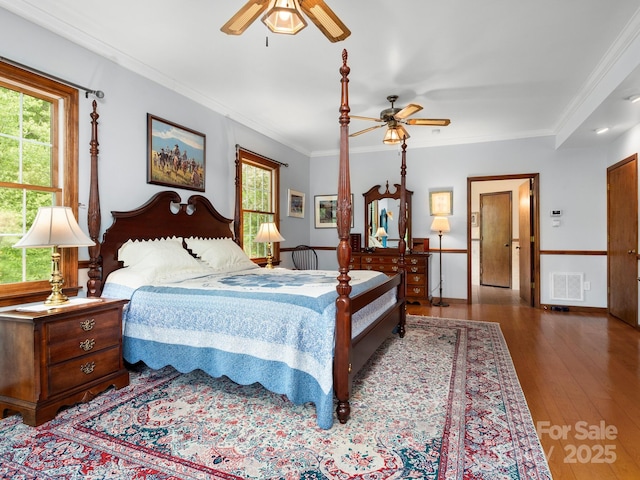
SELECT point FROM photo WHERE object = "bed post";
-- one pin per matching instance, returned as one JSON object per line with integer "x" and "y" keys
{"x": 342, "y": 356}
{"x": 238, "y": 209}
{"x": 94, "y": 284}
{"x": 402, "y": 244}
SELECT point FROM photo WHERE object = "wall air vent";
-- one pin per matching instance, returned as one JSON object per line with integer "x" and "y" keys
{"x": 567, "y": 286}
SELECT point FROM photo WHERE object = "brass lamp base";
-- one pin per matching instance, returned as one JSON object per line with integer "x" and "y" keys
{"x": 269, "y": 256}
{"x": 56, "y": 282}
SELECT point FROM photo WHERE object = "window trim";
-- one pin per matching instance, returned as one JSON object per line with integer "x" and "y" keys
{"x": 242, "y": 153}
{"x": 48, "y": 89}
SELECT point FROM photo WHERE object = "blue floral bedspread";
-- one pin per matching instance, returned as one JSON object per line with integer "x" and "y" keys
{"x": 273, "y": 327}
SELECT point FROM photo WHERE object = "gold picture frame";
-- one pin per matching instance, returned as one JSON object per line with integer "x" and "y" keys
{"x": 441, "y": 202}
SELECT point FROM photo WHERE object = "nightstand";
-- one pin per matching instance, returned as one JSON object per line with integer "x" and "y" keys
{"x": 59, "y": 356}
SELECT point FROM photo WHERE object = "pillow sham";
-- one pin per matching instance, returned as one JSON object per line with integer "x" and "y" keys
{"x": 161, "y": 260}
{"x": 220, "y": 254}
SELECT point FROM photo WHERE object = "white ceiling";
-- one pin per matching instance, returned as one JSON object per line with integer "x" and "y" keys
{"x": 499, "y": 69}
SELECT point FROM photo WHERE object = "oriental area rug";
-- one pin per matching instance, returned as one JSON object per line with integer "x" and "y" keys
{"x": 442, "y": 403}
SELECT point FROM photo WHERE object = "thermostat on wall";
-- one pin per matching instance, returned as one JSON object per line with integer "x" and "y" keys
{"x": 556, "y": 213}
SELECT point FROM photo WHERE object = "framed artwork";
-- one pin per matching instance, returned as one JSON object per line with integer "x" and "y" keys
{"x": 326, "y": 211}
{"x": 441, "y": 202}
{"x": 175, "y": 155}
{"x": 296, "y": 204}
{"x": 475, "y": 219}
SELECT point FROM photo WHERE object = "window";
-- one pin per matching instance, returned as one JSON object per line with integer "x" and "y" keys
{"x": 258, "y": 193}
{"x": 38, "y": 167}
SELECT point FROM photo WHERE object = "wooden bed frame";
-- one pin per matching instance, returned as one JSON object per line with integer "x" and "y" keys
{"x": 164, "y": 216}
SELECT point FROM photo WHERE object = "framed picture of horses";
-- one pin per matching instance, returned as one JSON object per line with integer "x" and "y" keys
{"x": 176, "y": 155}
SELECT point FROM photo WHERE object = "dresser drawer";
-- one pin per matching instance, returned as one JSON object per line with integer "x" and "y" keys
{"x": 414, "y": 260}
{"x": 417, "y": 291}
{"x": 413, "y": 269}
{"x": 378, "y": 259}
{"x": 82, "y": 334}
{"x": 389, "y": 269}
{"x": 76, "y": 372}
{"x": 415, "y": 278}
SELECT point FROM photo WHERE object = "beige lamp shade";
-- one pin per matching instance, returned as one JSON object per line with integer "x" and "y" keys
{"x": 283, "y": 16}
{"x": 381, "y": 232}
{"x": 54, "y": 227}
{"x": 441, "y": 225}
{"x": 268, "y": 232}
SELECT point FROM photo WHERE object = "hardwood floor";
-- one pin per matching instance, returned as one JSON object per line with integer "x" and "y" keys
{"x": 580, "y": 373}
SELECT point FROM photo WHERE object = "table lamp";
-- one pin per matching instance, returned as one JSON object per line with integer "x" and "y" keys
{"x": 268, "y": 233}
{"x": 55, "y": 227}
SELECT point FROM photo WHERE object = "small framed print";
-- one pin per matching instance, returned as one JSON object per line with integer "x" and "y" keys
{"x": 175, "y": 155}
{"x": 326, "y": 211}
{"x": 296, "y": 204}
{"x": 441, "y": 202}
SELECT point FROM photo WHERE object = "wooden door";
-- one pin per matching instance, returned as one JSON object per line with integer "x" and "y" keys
{"x": 525, "y": 227}
{"x": 495, "y": 239}
{"x": 622, "y": 244}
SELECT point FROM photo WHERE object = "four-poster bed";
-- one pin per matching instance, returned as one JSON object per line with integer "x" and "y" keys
{"x": 368, "y": 297}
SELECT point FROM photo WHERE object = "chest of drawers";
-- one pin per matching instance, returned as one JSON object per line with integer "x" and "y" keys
{"x": 416, "y": 266}
{"x": 60, "y": 356}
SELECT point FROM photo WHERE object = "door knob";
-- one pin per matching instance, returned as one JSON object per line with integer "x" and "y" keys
{"x": 631, "y": 251}
{"x": 506, "y": 244}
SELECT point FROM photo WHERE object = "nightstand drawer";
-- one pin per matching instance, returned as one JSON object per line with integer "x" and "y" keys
{"x": 82, "y": 334}
{"x": 79, "y": 371}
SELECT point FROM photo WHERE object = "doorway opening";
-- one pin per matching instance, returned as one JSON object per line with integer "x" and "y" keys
{"x": 501, "y": 245}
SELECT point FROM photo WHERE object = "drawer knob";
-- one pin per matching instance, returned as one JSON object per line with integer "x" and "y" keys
{"x": 416, "y": 278}
{"x": 87, "y": 368}
{"x": 414, "y": 269}
{"x": 394, "y": 268}
{"x": 413, "y": 260}
{"x": 88, "y": 344}
{"x": 88, "y": 324}
{"x": 416, "y": 290}
{"x": 394, "y": 260}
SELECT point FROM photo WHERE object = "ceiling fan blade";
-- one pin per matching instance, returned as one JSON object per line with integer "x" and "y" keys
{"x": 434, "y": 122}
{"x": 365, "y": 130}
{"x": 245, "y": 17}
{"x": 324, "y": 18}
{"x": 358, "y": 117}
{"x": 407, "y": 111}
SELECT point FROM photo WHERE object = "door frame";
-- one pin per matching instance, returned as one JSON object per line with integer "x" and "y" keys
{"x": 535, "y": 207}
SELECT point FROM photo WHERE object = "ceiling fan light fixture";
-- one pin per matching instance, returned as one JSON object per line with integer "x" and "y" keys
{"x": 395, "y": 135}
{"x": 283, "y": 16}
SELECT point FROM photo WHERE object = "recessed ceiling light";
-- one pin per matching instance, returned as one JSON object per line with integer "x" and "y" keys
{"x": 602, "y": 130}
{"x": 634, "y": 98}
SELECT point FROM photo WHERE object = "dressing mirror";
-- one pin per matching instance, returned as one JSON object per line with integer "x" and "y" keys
{"x": 381, "y": 215}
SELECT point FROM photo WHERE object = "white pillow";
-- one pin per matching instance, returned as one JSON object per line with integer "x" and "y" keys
{"x": 221, "y": 254}
{"x": 161, "y": 260}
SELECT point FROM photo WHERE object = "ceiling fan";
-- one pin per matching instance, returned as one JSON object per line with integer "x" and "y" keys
{"x": 283, "y": 16}
{"x": 394, "y": 118}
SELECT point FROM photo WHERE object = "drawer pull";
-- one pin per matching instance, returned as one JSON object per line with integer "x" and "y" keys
{"x": 416, "y": 290}
{"x": 87, "y": 368}
{"x": 413, "y": 260}
{"x": 416, "y": 278}
{"x": 394, "y": 260}
{"x": 88, "y": 344}
{"x": 368, "y": 259}
{"x": 88, "y": 324}
{"x": 394, "y": 268}
{"x": 414, "y": 269}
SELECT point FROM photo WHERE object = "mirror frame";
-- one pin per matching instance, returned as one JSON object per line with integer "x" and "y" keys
{"x": 374, "y": 194}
